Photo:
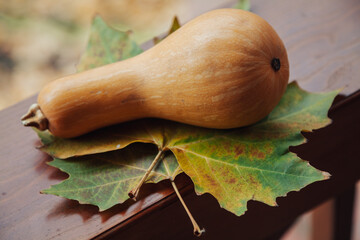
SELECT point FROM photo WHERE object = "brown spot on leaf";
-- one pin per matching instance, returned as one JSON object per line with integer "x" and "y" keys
{"x": 260, "y": 152}
{"x": 231, "y": 180}
{"x": 227, "y": 147}
{"x": 253, "y": 181}
{"x": 260, "y": 155}
{"x": 210, "y": 180}
{"x": 255, "y": 153}
{"x": 239, "y": 150}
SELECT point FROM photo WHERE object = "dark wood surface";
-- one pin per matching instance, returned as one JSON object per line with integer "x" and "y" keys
{"x": 333, "y": 149}
{"x": 27, "y": 214}
{"x": 323, "y": 42}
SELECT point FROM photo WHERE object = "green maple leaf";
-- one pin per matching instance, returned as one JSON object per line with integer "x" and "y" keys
{"x": 174, "y": 26}
{"x": 233, "y": 165}
{"x": 106, "y": 45}
{"x": 243, "y": 4}
{"x": 105, "y": 179}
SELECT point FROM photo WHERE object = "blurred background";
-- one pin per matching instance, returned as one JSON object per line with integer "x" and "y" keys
{"x": 41, "y": 40}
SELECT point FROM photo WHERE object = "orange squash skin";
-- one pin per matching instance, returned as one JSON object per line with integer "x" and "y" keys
{"x": 216, "y": 71}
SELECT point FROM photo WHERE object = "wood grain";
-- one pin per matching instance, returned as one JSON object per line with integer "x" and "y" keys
{"x": 323, "y": 41}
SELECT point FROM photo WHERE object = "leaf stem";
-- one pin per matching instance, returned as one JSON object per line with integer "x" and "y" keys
{"x": 135, "y": 192}
{"x": 197, "y": 230}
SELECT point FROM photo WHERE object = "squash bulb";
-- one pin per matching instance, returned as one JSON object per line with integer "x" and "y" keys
{"x": 227, "y": 68}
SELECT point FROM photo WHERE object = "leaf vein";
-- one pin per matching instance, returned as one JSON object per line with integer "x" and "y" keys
{"x": 93, "y": 187}
{"x": 248, "y": 167}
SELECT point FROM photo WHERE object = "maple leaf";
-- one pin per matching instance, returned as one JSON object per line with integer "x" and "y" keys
{"x": 106, "y": 45}
{"x": 243, "y": 4}
{"x": 233, "y": 165}
{"x": 174, "y": 26}
{"x": 105, "y": 179}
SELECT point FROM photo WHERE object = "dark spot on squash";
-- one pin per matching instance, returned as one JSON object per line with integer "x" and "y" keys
{"x": 275, "y": 64}
{"x": 132, "y": 98}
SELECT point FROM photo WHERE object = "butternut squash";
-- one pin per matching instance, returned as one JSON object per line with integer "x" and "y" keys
{"x": 224, "y": 69}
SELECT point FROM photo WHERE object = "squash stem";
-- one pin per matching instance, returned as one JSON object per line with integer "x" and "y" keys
{"x": 197, "y": 230}
{"x": 275, "y": 64}
{"x": 35, "y": 118}
{"x": 135, "y": 192}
